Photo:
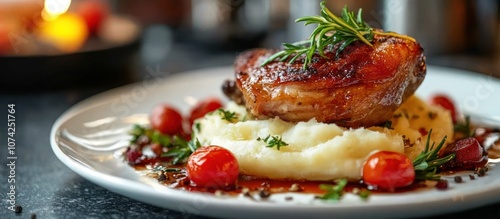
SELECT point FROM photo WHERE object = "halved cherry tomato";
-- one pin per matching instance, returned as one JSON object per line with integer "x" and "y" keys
{"x": 388, "y": 170}
{"x": 204, "y": 107}
{"x": 166, "y": 119}
{"x": 445, "y": 102}
{"x": 213, "y": 167}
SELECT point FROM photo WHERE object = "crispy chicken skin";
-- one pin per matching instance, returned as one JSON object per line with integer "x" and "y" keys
{"x": 359, "y": 88}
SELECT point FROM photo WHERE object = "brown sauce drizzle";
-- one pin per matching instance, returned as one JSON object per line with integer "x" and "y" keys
{"x": 264, "y": 187}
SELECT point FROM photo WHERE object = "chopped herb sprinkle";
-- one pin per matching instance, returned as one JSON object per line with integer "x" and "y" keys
{"x": 227, "y": 115}
{"x": 273, "y": 141}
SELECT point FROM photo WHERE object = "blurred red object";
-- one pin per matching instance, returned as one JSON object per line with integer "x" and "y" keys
{"x": 5, "y": 45}
{"x": 93, "y": 12}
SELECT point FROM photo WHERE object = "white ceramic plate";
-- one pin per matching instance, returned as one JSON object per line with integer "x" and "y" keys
{"x": 88, "y": 137}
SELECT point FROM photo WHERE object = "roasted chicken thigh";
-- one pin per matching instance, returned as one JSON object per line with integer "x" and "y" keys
{"x": 360, "y": 86}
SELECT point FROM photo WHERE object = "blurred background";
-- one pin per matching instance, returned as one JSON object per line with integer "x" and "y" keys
{"x": 60, "y": 44}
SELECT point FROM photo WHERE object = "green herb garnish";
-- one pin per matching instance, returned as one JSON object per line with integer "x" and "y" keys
{"x": 136, "y": 132}
{"x": 331, "y": 30}
{"x": 179, "y": 148}
{"x": 333, "y": 192}
{"x": 364, "y": 194}
{"x": 427, "y": 162}
{"x": 273, "y": 141}
{"x": 197, "y": 127}
{"x": 154, "y": 136}
{"x": 227, "y": 115}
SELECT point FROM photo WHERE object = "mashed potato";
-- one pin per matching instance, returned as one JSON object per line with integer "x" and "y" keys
{"x": 317, "y": 151}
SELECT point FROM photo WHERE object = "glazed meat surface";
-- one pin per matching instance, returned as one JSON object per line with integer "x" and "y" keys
{"x": 360, "y": 87}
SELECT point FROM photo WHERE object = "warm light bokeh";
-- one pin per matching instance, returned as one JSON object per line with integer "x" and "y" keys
{"x": 68, "y": 32}
{"x": 53, "y": 8}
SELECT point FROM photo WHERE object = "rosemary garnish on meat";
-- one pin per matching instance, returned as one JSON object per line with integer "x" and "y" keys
{"x": 427, "y": 162}
{"x": 331, "y": 30}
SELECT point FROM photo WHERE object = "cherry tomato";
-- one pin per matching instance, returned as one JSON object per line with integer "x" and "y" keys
{"x": 166, "y": 119}
{"x": 445, "y": 102}
{"x": 388, "y": 170}
{"x": 204, "y": 107}
{"x": 213, "y": 167}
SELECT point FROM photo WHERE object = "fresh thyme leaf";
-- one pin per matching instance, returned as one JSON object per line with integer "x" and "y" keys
{"x": 333, "y": 192}
{"x": 330, "y": 30}
{"x": 227, "y": 115}
{"x": 427, "y": 162}
{"x": 273, "y": 141}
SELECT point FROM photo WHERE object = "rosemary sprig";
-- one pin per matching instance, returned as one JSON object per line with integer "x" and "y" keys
{"x": 273, "y": 141}
{"x": 427, "y": 162}
{"x": 331, "y": 30}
